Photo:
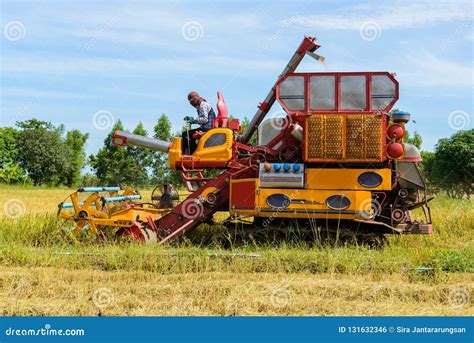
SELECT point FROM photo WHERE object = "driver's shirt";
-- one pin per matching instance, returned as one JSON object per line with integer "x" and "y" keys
{"x": 206, "y": 115}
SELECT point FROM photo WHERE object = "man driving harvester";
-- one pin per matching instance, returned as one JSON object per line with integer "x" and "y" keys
{"x": 205, "y": 118}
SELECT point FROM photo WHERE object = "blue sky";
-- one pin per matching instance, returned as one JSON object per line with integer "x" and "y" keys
{"x": 87, "y": 63}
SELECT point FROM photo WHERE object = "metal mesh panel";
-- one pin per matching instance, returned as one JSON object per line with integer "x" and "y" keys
{"x": 363, "y": 137}
{"x": 354, "y": 137}
{"x": 373, "y": 137}
{"x": 333, "y": 126}
{"x": 315, "y": 137}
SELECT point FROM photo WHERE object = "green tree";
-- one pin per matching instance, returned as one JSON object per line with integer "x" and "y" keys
{"x": 42, "y": 152}
{"x": 35, "y": 124}
{"x": 75, "y": 142}
{"x": 113, "y": 165}
{"x": 162, "y": 173}
{"x": 453, "y": 165}
{"x": 416, "y": 139}
{"x": 12, "y": 173}
{"x": 253, "y": 140}
{"x": 10, "y": 170}
{"x": 89, "y": 180}
{"x": 426, "y": 168}
{"x": 142, "y": 160}
{"x": 8, "y": 148}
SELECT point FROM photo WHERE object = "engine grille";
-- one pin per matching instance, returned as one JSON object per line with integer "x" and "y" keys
{"x": 336, "y": 137}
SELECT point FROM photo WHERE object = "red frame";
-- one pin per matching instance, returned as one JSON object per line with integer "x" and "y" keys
{"x": 368, "y": 92}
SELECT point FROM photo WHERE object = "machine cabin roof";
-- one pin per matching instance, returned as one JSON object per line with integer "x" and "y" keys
{"x": 348, "y": 92}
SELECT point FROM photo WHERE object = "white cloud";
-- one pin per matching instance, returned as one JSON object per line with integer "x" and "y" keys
{"x": 38, "y": 93}
{"x": 395, "y": 15}
{"x": 134, "y": 22}
{"x": 216, "y": 65}
{"x": 426, "y": 69}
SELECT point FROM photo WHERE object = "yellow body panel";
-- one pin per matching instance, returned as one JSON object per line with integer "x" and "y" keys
{"x": 305, "y": 203}
{"x": 311, "y": 203}
{"x": 345, "y": 179}
{"x": 213, "y": 155}
{"x": 174, "y": 153}
{"x": 209, "y": 190}
{"x": 219, "y": 153}
{"x": 126, "y": 217}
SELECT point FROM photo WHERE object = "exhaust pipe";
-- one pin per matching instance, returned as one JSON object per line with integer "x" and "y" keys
{"x": 122, "y": 138}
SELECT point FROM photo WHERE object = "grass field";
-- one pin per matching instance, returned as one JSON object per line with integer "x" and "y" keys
{"x": 43, "y": 273}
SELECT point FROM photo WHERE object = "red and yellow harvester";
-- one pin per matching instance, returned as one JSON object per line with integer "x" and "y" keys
{"x": 337, "y": 157}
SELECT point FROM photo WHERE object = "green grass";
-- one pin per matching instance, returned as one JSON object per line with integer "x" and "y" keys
{"x": 38, "y": 239}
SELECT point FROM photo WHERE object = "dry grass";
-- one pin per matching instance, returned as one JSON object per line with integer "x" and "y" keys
{"x": 44, "y": 273}
{"x": 40, "y": 200}
{"x": 52, "y": 291}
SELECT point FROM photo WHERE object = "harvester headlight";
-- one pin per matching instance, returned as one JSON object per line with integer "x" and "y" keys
{"x": 369, "y": 179}
{"x": 338, "y": 202}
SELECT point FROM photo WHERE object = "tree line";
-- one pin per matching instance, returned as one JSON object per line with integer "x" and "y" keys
{"x": 39, "y": 153}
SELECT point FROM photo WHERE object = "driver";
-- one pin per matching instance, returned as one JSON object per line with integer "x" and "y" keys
{"x": 205, "y": 118}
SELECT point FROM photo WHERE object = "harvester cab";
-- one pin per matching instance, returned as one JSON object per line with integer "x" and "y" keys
{"x": 214, "y": 150}
{"x": 215, "y": 147}
{"x": 337, "y": 158}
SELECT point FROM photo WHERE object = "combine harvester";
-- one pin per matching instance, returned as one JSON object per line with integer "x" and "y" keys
{"x": 337, "y": 158}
